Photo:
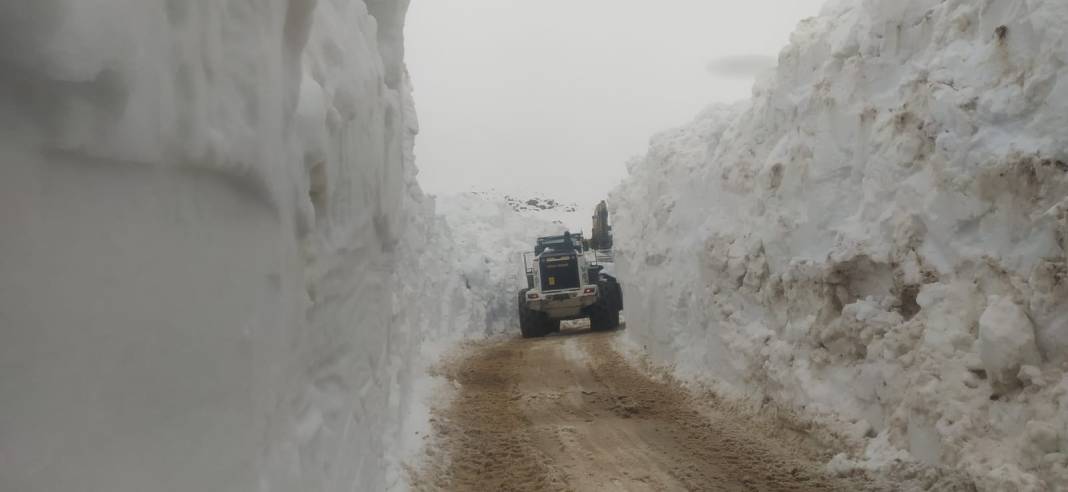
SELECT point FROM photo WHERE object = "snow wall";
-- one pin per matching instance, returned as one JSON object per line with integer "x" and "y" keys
{"x": 879, "y": 234}
{"x": 217, "y": 266}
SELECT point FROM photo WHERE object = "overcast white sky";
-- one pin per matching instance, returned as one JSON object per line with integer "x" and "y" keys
{"x": 553, "y": 96}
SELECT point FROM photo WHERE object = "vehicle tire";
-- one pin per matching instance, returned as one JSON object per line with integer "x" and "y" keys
{"x": 617, "y": 295}
{"x": 538, "y": 326}
{"x": 526, "y": 316}
{"x": 532, "y": 324}
{"x": 612, "y": 321}
{"x": 604, "y": 315}
{"x": 552, "y": 325}
{"x": 599, "y": 317}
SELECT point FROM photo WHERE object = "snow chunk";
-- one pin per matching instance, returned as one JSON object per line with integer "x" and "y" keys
{"x": 1006, "y": 340}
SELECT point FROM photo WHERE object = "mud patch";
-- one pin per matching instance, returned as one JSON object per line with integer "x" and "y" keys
{"x": 482, "y": 441}
{"x": 570, "y": 413}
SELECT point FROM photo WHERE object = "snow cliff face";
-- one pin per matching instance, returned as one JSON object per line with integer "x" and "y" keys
{"x": 217, "y": 264}
{"x": 880, "y": 233}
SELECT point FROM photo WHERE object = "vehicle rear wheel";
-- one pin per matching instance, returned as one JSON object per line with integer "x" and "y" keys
{"x": 617, "y": 294}
{"x": 526, "y": 315}
{"x": 539, "y": 325}
{"x": 533, "y": 324}
{"x": 601, "y": 319}
{"x": 604, "y": 315}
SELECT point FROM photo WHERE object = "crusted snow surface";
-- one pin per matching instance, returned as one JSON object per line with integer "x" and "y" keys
{"x": 492, "y": 236}
{"x": 219, "y": 272}
{"x": 878, "y": 235}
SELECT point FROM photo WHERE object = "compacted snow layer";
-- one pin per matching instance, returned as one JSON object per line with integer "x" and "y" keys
{"x": 879, "y": 234}
{"x": 218, "y": 269}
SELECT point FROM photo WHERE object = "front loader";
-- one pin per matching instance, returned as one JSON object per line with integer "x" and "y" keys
{"x": 564, "y": 282}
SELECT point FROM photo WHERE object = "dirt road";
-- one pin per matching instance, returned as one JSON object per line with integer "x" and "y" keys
{"x": 570, "y": 413}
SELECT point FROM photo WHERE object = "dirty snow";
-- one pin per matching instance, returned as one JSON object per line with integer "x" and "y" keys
{"x": 877, "y": 236}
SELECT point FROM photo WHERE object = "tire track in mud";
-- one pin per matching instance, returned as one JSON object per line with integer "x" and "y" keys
{"x": 484, "y": 441}
{"x": 570, "y": 413}
{"x": 719, "y": 449}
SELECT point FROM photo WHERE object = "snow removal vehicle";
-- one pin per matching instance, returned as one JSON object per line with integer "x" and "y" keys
{"x": 564, "y": 282}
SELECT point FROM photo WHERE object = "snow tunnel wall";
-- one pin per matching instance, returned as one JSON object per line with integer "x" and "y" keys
{"x": 879, "y": 233}
{"x": 217, "y": 266}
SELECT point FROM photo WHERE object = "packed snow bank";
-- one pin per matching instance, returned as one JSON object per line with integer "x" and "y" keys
{"x": 217, "y": 265}
{"x": 879, "y": 234}
{"x": 492, "y": 236}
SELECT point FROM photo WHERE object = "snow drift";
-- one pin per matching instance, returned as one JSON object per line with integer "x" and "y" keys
{"x": 878, "y": 234}
{"x": 217, "y": 264}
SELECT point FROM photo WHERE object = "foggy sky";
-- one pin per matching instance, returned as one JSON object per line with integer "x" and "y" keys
{"x": 553, "y": 96}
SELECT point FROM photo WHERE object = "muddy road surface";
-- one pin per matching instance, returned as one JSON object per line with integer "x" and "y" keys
{"x": 569, "y": 412}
